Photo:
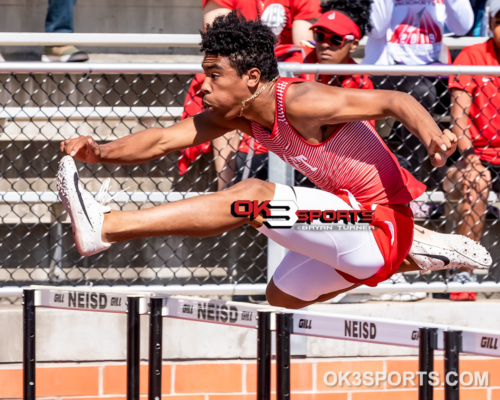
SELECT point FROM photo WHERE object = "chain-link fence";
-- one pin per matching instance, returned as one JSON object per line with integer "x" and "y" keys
{"x": 40, "y": 109}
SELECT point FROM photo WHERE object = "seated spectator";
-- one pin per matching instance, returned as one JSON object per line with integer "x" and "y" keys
{"x": 60, "y": 19}
{"x": 336, "y": 36}
{"x": 410, "y": 32}
{"x": 476, "y": 122}
{"x": 290, "y": 20}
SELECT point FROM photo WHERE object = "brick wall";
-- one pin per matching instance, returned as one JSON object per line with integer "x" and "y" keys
{"x": 236, "y": 380}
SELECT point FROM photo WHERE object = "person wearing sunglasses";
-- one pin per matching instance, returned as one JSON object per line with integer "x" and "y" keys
{"x": 336, "y": 36}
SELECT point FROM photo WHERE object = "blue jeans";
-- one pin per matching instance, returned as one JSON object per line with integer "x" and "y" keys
{"x": 60, "y": 16}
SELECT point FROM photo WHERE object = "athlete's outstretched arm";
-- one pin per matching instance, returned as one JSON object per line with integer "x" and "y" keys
{"x": 330, "y": 106}
{"x": 152, "y": 143}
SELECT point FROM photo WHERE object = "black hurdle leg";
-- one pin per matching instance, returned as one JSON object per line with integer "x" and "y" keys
{"x": 452, "y": 349}
{"x": 155, "y": 348}
{"x": 427, "y": 345}
{"x": 133, "y": 348}
{"x": 264, "y": 356}
{"x": 29, "y": 355}
{"x": 283, "y": 330}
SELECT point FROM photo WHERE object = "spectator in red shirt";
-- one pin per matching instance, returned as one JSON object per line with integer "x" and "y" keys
{"x": 290, "y": 21}
{"x": 475, "y": 113}
{"x": 336, "y": 36}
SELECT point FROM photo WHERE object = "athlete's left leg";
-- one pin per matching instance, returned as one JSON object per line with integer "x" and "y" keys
{"x": 95, "y": 226}
{"x": 300, "y": 281}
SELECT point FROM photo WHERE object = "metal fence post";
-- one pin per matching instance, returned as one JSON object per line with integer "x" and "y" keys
{"x": 264, "y": 355}
{"x": 452, "y": 349}
{"x": 155, "y": 348}
{"x": 29, "y": 354}
{"x": 133, "y": 347}
{"x": 427, "y": 345}
{"x": 284, "y": 323}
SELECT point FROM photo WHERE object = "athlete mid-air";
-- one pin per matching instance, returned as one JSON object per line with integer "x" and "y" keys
{"x": 319, "y": 130}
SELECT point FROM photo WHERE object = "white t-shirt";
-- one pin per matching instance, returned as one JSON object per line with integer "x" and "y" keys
{"x": 410, "y": 32}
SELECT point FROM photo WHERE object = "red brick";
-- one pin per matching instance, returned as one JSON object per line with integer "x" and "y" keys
{"x": 93, "y": 398}
{"x": 67, "y": 381}
{"x": 179, "y": 397}
{"x": 232, "y": 397}
{"x": 474, "y": 394}
{"x": 11, "y": 383}
{"x": 319, "y": 396}
{"x": 386, "y": 395}
{"x": 300, "y": 377}
{"x": 115, "y": 379}
{"x": 208, "y": 378}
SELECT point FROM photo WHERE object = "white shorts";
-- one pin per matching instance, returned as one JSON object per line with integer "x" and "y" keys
{"x": 309, "y": 269}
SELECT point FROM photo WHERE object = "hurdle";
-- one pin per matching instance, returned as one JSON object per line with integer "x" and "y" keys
{"x": 135, "y": 304}
{"x": 212, "y": 311}
{"x": 432, "y": 337}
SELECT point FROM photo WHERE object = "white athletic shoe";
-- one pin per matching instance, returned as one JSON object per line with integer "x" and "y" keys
{"x": 87, "y": 214}
{"x": 436, "y": 251}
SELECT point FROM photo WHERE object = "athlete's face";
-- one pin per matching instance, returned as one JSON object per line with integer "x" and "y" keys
{"x": 331, "y": 54}
{"x": 495, "y": 28}
{"x": 223, "y": 89}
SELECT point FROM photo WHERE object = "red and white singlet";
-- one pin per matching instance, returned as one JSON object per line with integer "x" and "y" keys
{"x": 353, "y": 158}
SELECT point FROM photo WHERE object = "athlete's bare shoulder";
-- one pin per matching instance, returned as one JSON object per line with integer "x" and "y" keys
{"x": 307, "y": 99}
{"x": 327, "y": 105}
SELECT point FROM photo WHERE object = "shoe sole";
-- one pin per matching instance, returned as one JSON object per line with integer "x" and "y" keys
{"x": 472, "y": 254}
{"x": 68, "y": 166}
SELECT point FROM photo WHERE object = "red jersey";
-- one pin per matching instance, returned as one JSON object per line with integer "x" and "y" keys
{"x": 277, "y": 14}
{"x": 484, "y": 114}
{"x": 353, "y": 158}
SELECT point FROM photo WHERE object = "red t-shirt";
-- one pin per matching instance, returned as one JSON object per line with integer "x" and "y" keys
{"x": 277, "y": 14}
{"x": 484, "y": 112}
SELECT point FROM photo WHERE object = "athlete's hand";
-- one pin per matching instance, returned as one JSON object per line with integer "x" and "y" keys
{"x": 83, "y": 148}
{"x": 441, "y": 147}
{"x": 474, "y": 177}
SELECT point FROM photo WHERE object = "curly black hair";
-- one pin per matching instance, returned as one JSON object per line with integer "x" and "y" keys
{"x": 248, "y": 44}
{"x": 358, "y": 10}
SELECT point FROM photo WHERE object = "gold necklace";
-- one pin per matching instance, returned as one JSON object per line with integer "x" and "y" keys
{"x": 247, "y": 102}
